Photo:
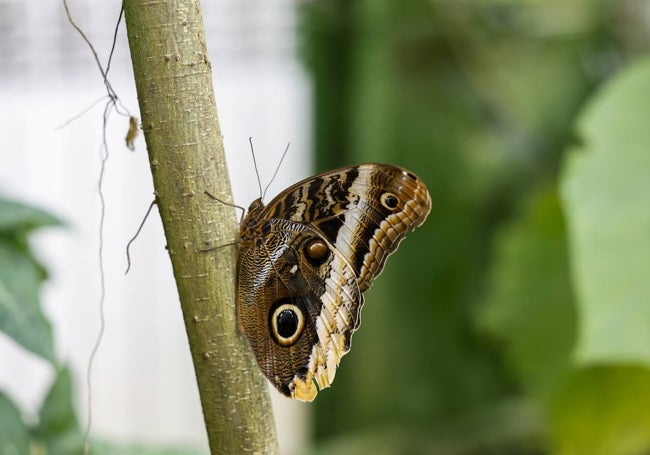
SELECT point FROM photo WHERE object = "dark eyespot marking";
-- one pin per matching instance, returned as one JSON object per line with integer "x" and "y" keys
{"x": 287, "y": 322}
{"x": 316, "y": 251}
{"x": 389, "y": 200}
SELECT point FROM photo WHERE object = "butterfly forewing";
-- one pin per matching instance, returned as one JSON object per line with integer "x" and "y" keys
{"x": 353, "y": 208}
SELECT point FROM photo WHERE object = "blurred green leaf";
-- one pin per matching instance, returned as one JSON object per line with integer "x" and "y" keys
{"x": 20, "y": 313}
{"x": 479, "y": 99}
{"x": 603, "y": 411}
{"x": 16, "y": 216}
{"x": 507, "y": 428}
{"x": 58, "y": 428}
{"x": 20, "y": 279}
{"x": 14, "y": 437}
{"x": 606, "y": 196}
{"x": 530, "y": 304}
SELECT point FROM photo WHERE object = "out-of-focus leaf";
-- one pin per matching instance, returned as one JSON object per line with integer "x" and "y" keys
{"x": 530, "y": 304}
{"x": 20, "y": 279}
{"x": 507, "y": 428}
{"x": 14, "y": 215}
{"x": 58, "y": 428}
{"x": 14, "y": 437}
{"x": 603, "y": 411}
{"x": 606, "y": 197}
{"x": 478, "y": 99}
{"x": 20, "y": 313}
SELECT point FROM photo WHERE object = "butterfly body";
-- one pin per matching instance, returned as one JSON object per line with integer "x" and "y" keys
{"x": 306, "y": 258}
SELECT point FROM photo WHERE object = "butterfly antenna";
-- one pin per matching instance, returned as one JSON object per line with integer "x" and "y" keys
{"x": 257, "y": 172}
{"x": 277, "y": 168}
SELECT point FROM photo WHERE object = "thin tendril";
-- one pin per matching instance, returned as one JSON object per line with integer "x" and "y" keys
{"x": 80, "y": 114}
{"x": 112, "y": 103}
{"x": 102, "y": 278}
{"x": 128, "y": 245}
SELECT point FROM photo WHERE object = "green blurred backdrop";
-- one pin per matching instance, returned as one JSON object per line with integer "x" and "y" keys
{"x": 468, "y": 339}
{"x": 517, "y": 319}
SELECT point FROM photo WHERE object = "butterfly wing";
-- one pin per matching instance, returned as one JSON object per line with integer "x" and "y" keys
{"x": 305, "y": 260}
{"x": 298, "y": 312}
{"x": 363, "y": 210}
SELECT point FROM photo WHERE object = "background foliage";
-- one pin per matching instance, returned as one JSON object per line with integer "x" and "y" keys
{"x": 516, "y": 320}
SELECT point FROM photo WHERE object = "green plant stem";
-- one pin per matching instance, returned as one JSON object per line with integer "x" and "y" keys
{"x": 179, "y": 120}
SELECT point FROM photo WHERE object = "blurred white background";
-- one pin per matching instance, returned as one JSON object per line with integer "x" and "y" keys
{"x": 143, "y": 381}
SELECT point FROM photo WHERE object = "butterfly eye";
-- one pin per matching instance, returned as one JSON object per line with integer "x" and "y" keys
{"x": 287, "y": 322}
{"x": 316, "y": 251}
{"x": 389, "y": 200}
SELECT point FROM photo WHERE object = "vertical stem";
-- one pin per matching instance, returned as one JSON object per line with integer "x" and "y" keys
{"x": 179, "y": 120}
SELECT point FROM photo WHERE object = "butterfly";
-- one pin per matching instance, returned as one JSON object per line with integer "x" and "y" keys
{"x": 305, "y": 260}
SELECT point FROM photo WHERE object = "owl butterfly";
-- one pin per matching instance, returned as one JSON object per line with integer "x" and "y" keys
{"x": 305, "y": 260}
